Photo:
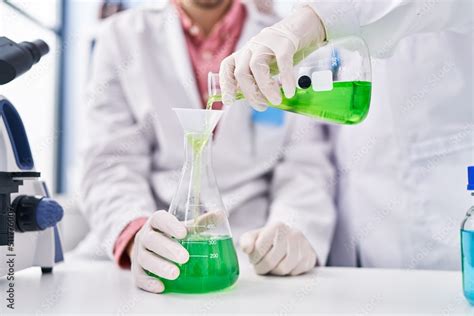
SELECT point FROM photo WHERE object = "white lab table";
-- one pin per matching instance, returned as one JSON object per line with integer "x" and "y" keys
{"x": 83, "y": 286}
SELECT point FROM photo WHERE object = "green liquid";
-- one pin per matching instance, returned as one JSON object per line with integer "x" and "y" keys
{"x": 212, "y": 266}
{"x": 347, "y": 103}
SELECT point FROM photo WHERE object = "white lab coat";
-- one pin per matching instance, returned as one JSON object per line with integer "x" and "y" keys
{"x": 141, "y": 70}
{"x": 401, "y": 174}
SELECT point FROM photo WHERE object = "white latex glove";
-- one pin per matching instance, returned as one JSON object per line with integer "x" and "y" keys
{"x": 155, "y": 251}
{"x": 278, "y": 249}
{"x": 249, "y": 68}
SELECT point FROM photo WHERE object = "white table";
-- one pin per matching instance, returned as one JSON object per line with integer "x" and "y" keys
{"x": 82, "y": 285}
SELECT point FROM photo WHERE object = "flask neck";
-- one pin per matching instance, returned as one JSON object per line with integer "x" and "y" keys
{"x": 213, "y": 85}
{"x": 214, "y": 89}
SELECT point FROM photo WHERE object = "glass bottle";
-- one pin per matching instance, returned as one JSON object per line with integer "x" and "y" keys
{"x": 333, "y": 83}
{"x": 467, "y": 245}
{"x": 197, "y": 203}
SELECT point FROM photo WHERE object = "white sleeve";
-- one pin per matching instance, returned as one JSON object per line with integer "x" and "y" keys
{"x": 115, "y": 186}
{"x": 303, "y": 185}
{"x": 383, "y": 23}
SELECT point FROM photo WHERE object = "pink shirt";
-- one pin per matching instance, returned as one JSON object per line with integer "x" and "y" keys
{"x": 206, "y": 54}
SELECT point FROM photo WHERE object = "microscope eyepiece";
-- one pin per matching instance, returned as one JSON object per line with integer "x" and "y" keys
{"x": 36, "y": 48}
{"x": 16, "y": 59}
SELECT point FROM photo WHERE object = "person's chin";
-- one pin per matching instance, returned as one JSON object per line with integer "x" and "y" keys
{"x": 208, "y": 4}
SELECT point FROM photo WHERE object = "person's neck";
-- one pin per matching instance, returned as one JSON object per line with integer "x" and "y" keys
{"x": 205, "y": 18}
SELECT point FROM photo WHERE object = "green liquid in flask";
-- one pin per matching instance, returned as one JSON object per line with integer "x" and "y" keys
{"x": 347, "y": 103}
{"x": 212, "y": 266}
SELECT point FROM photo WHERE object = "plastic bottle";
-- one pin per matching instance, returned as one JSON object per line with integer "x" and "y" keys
{"x": 467, "y": 244}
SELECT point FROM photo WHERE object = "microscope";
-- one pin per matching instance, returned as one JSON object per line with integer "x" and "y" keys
{"x": 29, "y": 235}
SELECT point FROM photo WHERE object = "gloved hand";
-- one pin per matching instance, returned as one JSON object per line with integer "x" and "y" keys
{"x": 249, "y": 68}
{"x": 155, "y": 251}
{"x": 278, "y": 249}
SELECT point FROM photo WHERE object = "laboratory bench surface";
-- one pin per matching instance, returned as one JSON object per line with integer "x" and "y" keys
{"x": 89, "y": 286}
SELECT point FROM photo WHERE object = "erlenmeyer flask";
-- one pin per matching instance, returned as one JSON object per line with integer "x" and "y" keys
{"x": 197, "y": 202}
{"x": 333, "y": 83}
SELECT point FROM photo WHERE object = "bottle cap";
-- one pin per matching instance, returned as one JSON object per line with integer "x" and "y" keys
{"x": 470, "y": 178}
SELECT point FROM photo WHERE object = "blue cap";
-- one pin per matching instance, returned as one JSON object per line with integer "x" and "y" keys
{"x": 470, "y": 178}
{"x": 48, "y": 213}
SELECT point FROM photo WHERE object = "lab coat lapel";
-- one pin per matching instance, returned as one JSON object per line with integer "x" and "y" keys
{"x": 180, "y": 60}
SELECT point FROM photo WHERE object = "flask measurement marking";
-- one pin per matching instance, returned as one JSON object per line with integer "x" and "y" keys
{"x": 211, "y": 241}
{"x": 211, "y": 256}
{"x": 198, "y": 256}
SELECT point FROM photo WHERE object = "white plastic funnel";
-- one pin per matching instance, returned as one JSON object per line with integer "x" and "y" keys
{"x": 198, "y": 120}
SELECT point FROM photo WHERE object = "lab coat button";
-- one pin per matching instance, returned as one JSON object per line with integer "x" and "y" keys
{"x": 194, "y": 30}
